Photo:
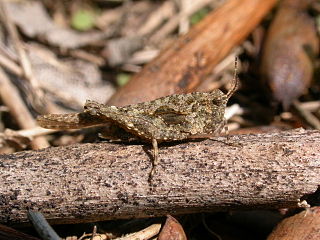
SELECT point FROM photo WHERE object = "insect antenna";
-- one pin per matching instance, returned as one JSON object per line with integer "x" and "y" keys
{"x": 235, "y": 81}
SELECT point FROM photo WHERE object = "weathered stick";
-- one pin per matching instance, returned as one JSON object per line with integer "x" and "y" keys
{"x": 91, "y": 182}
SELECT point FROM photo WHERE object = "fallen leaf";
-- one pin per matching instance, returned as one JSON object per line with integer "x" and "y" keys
{"x": 302, "y": 226}
{"x": 291, "y": 43}
{"x": 172, "y": 230}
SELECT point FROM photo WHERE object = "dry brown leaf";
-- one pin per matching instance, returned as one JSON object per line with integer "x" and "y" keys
{"x": 287, "y": 56}
{"x": 302, "y": 226}
{"x": 172, "y": 230}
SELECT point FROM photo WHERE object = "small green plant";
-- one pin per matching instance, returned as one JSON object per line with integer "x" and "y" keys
{"x": 83, "y": 20}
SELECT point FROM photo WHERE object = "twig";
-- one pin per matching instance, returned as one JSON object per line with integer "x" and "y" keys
{"x": 8, "y": 53}
{"x": 36, "y": 96}
{"x": 32, "y": 132}
{"x": 94, "y": 182}
{"x": 307, "y": 115}
{"x": 23, "y": 58}
{"x": 146, "y": 233}
{"x": 81, "y": 54}
{"x": 94, "y": 232}
{"x": 10, "y": 66}
{"x": 12, "y": 99}
{"x": 185, "y": 7}
{"x": 165, "y": 11}
{"x": 42, "y": 227}
{"x": 144, "y": 56}
{"x": 310, "y": 106}
{"x": 172, "y": 24}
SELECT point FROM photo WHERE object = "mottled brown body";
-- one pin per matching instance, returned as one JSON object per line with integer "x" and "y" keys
{"x": 170, "y": 118}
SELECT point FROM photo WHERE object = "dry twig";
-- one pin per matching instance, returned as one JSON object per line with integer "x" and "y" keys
{"x": 19, "y": 111}
{"x": 146, "y": 233}
{"x": 307, "y": 115}
{"x": 92, "y": 182}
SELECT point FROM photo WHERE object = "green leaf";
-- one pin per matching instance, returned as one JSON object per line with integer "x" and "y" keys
{"x": 123, "y": 78}
{"x": 83, "y": 20}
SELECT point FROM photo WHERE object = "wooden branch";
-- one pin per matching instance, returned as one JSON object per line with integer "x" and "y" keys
{"x": 100, "y": 181}
{"x": 181, "y": 67}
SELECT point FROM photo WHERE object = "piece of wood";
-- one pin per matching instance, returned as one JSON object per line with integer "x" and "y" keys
{"x": 180, "y": 68}
{"x": 100, "y": 181}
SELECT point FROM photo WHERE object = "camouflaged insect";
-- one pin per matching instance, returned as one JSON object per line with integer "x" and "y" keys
{"x": 170, "y": 118}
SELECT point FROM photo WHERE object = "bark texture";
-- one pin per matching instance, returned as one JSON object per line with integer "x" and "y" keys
{"x": 100, "y": 181}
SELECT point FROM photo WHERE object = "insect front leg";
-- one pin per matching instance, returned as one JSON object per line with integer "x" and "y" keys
{"x": 223, "y": 126}
{"x": 155, "y": 160}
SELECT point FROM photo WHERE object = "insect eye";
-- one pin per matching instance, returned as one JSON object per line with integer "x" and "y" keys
{"x": 91, "y": 111}
{"x": 217, "y": 101}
